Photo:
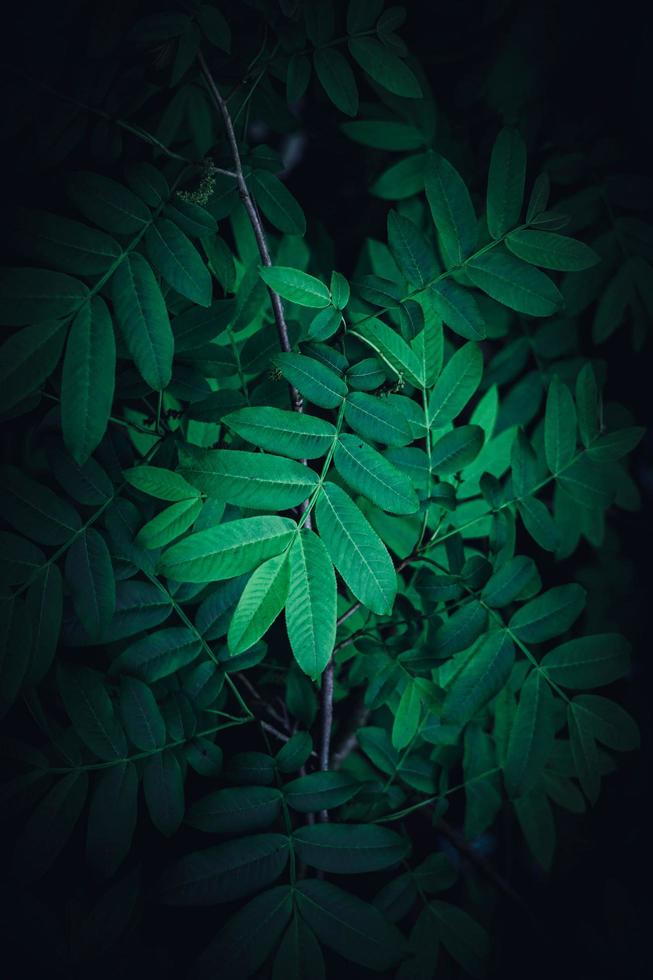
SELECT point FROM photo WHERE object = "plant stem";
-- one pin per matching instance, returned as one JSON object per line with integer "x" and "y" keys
{"x": 326, "y": 723}
{"x": 257, "y": 227}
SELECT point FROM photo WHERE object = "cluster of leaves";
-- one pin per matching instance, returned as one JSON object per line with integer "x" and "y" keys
{"x": 172, "y": 520}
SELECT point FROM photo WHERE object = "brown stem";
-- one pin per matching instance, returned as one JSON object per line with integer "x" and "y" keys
{"x": 326, "y": 723}
{"x": 257, "y": 227}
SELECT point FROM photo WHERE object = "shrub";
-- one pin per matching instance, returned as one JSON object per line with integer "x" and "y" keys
{"x": 287, "y": 555}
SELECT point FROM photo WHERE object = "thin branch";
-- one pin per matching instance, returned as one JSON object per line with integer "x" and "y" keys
{"x": 284, "y": 343}
{"x": 257, "y": 227}
{"x": 326, "y": 723}
{"x": 250, "y": 207}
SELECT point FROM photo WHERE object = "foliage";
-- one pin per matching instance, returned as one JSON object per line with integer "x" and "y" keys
{"x": 247, "y": 484}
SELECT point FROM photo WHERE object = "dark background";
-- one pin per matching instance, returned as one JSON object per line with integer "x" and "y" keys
{"x": 590, "y": 72}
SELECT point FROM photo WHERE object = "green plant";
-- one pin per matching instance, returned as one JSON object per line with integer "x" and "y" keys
{"x": 252, "y": 496}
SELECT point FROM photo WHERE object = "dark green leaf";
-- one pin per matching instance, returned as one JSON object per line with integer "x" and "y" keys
{"x": 531, "y": 736}
{"x": 225, "y": 872}
{"x": 353, "y": 928}
{"x": 356, "y": 550}
{"x": 505, "y": 187}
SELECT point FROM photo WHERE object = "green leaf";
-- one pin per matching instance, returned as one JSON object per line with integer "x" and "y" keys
{"x": 607, "y": 721}
{"x": 462, "y": 628}
{"x": 299, "y": 956}
{"x": 531, "y": 736}
{"x": 584, "y": 752}
{"x": 278, "y": 204}
{"x": 340, "y": 290}
{"x": 452, "y": 209}
{"x": 248, "y": 479}
{"x": 108, "y": 204}
{"x": 587, "y": 404}
{"x": 611, "y": 308}
{"x": 384, "y": 67}
{"x": 225, "y": 872}
{"x": 401, "y": 180}
{"x": 539, "y": 197}
{"x": 513, "y": 283}
{"x": 376, "y": 744}
{"x": 368, "y": 472}
{"x": 407, "y": 716}
{"x": 481, "y": 679}
{"x": 588, "y": 661}
{"x": 551, "y": 251}
{"x": 463, "y": 938}
{"x": 35, "y": 510}
{"x": 112, "y": 818}
{"x": 559, "y": 426}
{"x": 375, "y": 419}
{"x": 458, "y": 309}
{"x": 356, "y": 550}
{"x": 45, "y": 610}
{"x": 28, "y": 295}
{"x": 163, "y": 788}
{"x": 320, "y": 791}
{"x": 169, "y": 524}
{"x": 204, "y": 756}
{"x": 362, "y": 15}
{"x": 523, "y": 465}
{"x": 227, "y": 550}
{"x": 429, "y": 346}
{"x": 90, "y": 578}
{"x": 314, "y": 380}
{"x": 50, "y": 826}
{"x": 178, "y": 261}
{"x": 249, "y": 936}
{"x": 311, "y": 607}
{"x": 384, "y": 134}
{"x": 589, "y": 483}
{"x": 299, "y": 436}
{"x": 239, "y": 809}
{"x": 262, "y": 600}
{"x": 298, "y": 77}
{"x": 27, "y": 358}
{"x": 539, "y": 523}
{"x": 140, "y": 714}
{"x": 353, "y": 928}
{"x": 88, "y": 380}
{"x": 90, "y": 709}
{"x": 550, "y": 614}
{"x": 411, "y": 251}
{"x": 158, "y": 655}
{"x": 67, "y": 245}
{"x": 19, "y": 559}
{"x": 454, "y": 450}
{"x": 349, "y": 848}
{"x": 536, "y": 821}
{"x": 159, "y": 482}
{"x": 143, "y": 320}
{"x": 456, "y": 385}
{"x": 392, "y": 347}
{"x": 337, "y": 79}
{"x": 505, "y": 186}
{"x": 296, "y": 286}
{"x": 214, "y": 27}
{"x": 294, "y": 753}
{"x": 518, "y": 578}
{"x": 148, "y": 182}
{"x": 613, "y": 445}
